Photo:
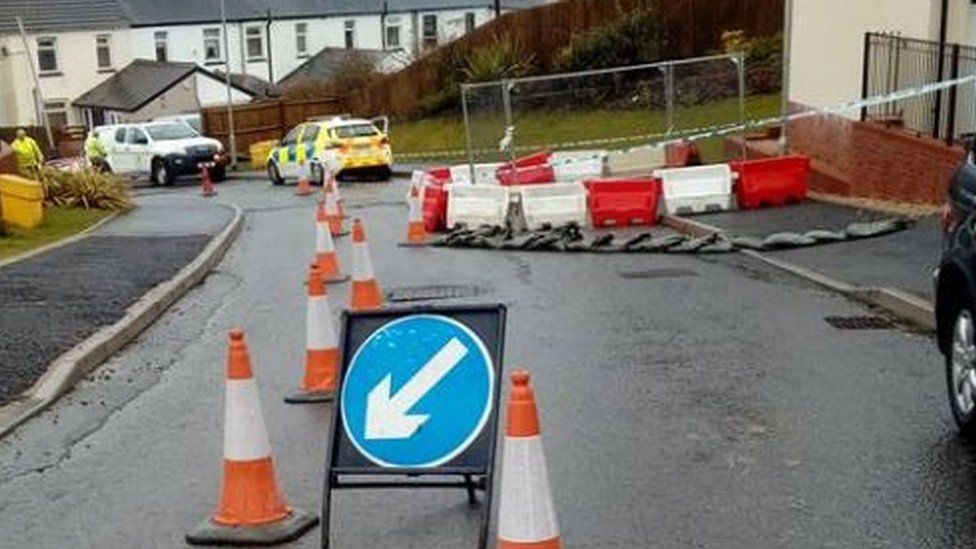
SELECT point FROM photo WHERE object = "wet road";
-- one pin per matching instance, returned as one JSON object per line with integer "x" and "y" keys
{"x": 686, "y": 402}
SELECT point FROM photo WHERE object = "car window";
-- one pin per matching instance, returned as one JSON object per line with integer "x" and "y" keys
{"x": 355, "y": 130}
{"x": 292, "y": 136}
{"x": 120, "y": 135}
{"x": 171, "y": 131}
{"x": 195, "y": 124}
{"x": 137, "y": 137}
{"x": 311, "y": 133}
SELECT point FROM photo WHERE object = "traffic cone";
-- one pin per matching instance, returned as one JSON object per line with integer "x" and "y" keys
{"x": 332, "y": 212}
{"x": 340, "y": 203}
{"x": 416, "y": 231}
{"x": 304, "y": 187}
{"x": 321, "y": 344}
{"x": 207, "y": 189}
{"x": 365, "y": 295}
{"x": 251, "y": 510}
{"x": 326, "y": 257}
{"x": 526, "y": 517}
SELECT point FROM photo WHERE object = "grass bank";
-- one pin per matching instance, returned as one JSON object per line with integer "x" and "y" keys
{"x": 58, "y": 223}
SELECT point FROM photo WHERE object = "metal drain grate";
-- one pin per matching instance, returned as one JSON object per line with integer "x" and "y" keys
{"x": 658, "y": 273}
{"x": 430, "y": 293}
{"x": 859, "y": 322}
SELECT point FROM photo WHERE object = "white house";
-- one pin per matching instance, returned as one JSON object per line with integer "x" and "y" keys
{"x": 75, "y": 50}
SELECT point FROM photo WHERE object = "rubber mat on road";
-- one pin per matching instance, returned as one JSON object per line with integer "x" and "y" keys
{"x": 658, "y": 273}
{"x": 859, "y": 322}
{"x": 435, "y": 292}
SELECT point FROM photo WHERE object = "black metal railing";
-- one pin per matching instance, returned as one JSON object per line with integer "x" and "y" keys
{"x": 893, "y": 62}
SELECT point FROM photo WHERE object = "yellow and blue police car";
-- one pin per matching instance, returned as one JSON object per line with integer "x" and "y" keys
{"x": 347, "y": 146}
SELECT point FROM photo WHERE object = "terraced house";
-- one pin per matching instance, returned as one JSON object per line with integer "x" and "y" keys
{"x": 75, "y": 45}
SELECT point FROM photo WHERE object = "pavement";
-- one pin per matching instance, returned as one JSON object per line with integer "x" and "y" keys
{"x": 686, "y": 401}
{"x": 56, "y": 300}
{"x": 904, "y": 260}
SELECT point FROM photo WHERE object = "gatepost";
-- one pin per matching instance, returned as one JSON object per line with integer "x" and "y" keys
{"x": 418, "y": 403}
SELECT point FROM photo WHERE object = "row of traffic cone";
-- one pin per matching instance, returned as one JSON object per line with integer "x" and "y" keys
{"x": 251, "y": 509}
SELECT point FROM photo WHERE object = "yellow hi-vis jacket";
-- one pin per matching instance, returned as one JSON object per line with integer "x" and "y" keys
{"x": 28, "y": 154}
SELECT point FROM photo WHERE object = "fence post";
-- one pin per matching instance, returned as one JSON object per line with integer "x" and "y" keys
{"x": 865, "y": 73}
{"x": 281, "y": 119}
{"x": 940, "y": 71}
{"x": 951, "y": 115}
{"x": 509, "y": 123}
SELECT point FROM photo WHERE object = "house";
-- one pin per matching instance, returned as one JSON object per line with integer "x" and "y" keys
{"x": 326, "y": 64}
{"x": 145, "y": 89}
{"x": 75, "y": 49}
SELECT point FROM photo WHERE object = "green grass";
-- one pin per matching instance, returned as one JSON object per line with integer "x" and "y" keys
{"x": 544, "y": 127}
{"x": 58, "y": 223}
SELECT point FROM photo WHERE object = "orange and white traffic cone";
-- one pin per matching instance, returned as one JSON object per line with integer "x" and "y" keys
{"x": 321, "y": 346}
{"x": 332, "y": 212}
{"x": 326, "y": 256}
{"x": 416, "y": 231}
{"x": 304, "y": 187}
{"x": 365, "y": 295}
{"x": 340, "y": 203}
{"x": 251, "y": 510}
{"x": 526, "y": 516}
{"x": 206, "y": 184}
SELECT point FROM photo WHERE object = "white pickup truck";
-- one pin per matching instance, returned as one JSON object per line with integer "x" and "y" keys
{"x": 161, "y": 150}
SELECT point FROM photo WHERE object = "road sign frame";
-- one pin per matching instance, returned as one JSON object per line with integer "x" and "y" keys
{"x": 473, "y": 478}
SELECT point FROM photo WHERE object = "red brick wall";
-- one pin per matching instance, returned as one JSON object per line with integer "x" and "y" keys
{"x": 869, "y": 159}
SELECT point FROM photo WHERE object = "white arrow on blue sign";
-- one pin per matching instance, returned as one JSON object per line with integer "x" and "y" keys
{"x": 417, "y": 392}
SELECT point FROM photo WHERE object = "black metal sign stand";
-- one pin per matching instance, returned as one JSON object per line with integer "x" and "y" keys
{"x": 471, "y": 471}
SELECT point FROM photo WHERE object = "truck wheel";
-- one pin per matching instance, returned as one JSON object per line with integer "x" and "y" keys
{"x": 961, "y": 369}
{"x": 274, "y": 175}
{"x": 160, "y": 173}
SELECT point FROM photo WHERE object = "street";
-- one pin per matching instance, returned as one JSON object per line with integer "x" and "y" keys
{"x": 686, "y": 401}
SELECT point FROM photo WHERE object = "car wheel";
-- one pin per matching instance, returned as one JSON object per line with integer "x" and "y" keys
{"x": 274, "y": 175}
{"x": 318, "y": 175}
{"x": 160, "y": 174}
{"x": 961, "y": 370}
{"x": 385, "y": 173}
{"x": 218, "y": 174}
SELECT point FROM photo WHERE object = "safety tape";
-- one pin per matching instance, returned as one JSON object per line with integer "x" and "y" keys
{"x": 717, "y": 130}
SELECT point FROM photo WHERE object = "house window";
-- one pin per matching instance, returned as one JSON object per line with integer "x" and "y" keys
{"x": 255, "y": 44}
{"x": 393, "y": 36}
{"x": 301, "y": 39}
{"x": 47, "y": 54}
{"x": 211, "y": 45}
{"x": 56, "y": 113}
{"x": 162, "y": 50}
{"x": 430, "y": 31}
{"x": 103, "y": 51}
{"x": 350, "y": 27}
{"x": 469, "y": 22}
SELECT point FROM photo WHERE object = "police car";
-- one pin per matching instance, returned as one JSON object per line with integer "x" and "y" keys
{"x": 343, "y": 145}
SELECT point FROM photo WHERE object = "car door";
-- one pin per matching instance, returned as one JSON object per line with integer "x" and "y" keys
{"x": 117, "y": 158}
{"x": 137, "y": 150}
{"x": 288, "y": 152}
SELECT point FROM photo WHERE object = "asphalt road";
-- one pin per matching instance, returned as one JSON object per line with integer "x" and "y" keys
{"x": 686, "y": 402}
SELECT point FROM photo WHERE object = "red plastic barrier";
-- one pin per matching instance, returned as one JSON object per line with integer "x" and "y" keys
{"x": 435, "y": 208}
{"x": 540, "y": 158}
{"x": 771, "y": 181}
{"x": 440, "y": 174}
{"x": 679, "y": 155}
{"x": 623, "y": 201}
{"x": 532, "y": 175}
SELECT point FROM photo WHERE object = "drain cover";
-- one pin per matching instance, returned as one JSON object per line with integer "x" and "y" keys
{"x": 430, "y": 293}
{"x": 858, "y": 322}
{"x": 658, "y": 273}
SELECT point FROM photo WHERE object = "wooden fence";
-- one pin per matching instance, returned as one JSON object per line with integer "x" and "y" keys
{"x": 265, "y": 120}
{"x": 688, "y": 28}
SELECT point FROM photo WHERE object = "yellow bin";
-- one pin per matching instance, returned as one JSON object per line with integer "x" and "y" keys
{"x": 21, "y": 201}
{"x": 259, "y": 153}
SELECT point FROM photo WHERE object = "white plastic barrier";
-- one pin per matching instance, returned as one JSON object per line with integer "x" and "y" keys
{"x": 476, "y": 205}
{"x": 697, "y": 189}
{"x": 639, "y": 160}
{"x": 555, "y": 204}
{"x": 578, "y": 168}
{"x": 484, "y": 174}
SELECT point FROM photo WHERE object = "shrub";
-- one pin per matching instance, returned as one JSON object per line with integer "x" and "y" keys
{"x": 764, "y": 59}
{"x": 85, "y": 188}
{"x": 502, "y": 59}
{"x": 634, "y": 39}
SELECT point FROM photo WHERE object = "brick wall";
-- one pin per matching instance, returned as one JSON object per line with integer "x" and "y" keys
{"x": 872, "y": 160}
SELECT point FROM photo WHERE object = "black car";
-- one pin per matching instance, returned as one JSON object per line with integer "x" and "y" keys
{"x": 955, "y": 291}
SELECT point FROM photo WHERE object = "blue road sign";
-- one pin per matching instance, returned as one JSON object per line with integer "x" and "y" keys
{"x": 417, "y": 392}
